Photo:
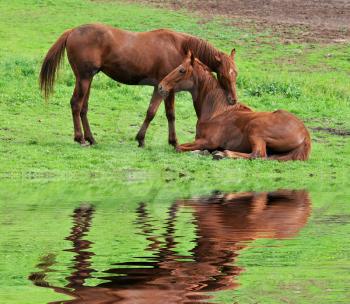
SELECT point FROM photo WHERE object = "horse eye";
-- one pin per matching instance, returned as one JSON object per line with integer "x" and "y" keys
{"x": 182, "y": 70}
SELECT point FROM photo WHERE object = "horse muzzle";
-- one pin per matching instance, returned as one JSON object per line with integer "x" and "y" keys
{"x": 231, "y": 100}
{"x": 162, "y": 91}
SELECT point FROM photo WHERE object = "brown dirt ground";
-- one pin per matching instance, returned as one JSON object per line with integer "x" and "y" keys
{"x": 295, "y": 20}
{"x": 332, "y": 131}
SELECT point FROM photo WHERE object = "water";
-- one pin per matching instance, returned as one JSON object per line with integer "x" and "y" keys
{"x": 223, "y": 224}
{"x": 226, "y": 247}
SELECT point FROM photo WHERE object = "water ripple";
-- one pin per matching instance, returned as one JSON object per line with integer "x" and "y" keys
{"x": 188, "y": 257}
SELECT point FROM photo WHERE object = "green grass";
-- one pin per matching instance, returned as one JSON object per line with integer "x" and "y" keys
{"x": 37, "y": 137}
{"x": 39, "y": 162}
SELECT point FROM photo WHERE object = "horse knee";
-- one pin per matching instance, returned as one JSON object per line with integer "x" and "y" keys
{"x": 75, "y": 105}
{"x": 150, "y": 114}
{"x": 83, "y": 112}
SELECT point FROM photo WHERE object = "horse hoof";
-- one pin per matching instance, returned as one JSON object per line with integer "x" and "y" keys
{"x": 91, "y": 141}
{"x": 84, "y": 144}
{"x": 218, "y": 155}
{"x": 204, "y": 152}
{"x": 79, "y": 140}
{"x": 141, "y": 144}
{"x": 201, "y": 152}
{"x": 173, "y": 143}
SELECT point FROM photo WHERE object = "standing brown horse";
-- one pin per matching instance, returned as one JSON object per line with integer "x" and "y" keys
{"x": 236, "y": 129}
{"x": 130, "y": 58}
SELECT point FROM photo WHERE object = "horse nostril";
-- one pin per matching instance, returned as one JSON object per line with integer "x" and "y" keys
{"x": 162, "y": 91}
{"x": 231, "y": 101}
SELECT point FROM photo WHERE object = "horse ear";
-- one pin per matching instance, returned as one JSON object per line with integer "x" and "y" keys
{"x": 218, "y": 59}
{"x": 192, "y": 58}
{"x": 233, "y": 53}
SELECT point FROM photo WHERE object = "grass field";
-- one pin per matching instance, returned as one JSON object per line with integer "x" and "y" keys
{"x": 36, "y": 138}
{"x": 39, "y": 162}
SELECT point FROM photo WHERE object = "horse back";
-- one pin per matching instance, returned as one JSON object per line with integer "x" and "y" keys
{"x": 127, "y": 57}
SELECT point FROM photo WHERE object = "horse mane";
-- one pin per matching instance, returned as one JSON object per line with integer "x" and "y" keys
{"x": 202, "y": 50}
{"x": 203, "y": 66}
{"x": 241, "y": 107}
{"x": 214, "y": 100}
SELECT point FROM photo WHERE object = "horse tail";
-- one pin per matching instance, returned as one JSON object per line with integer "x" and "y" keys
{"x": 302, "y": 152}
{"x": 51, "y": 64}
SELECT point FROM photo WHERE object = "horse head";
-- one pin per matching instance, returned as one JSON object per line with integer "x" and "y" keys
{"x": 227, "y": 75}
{"x": 179, "y": 79}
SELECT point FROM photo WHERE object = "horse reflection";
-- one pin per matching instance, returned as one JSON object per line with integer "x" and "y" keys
{"x": 225, "y": 224}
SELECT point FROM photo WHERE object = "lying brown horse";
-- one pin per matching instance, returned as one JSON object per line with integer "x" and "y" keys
{"x": 236, "y": 129}
{"x": 130, "y": 58}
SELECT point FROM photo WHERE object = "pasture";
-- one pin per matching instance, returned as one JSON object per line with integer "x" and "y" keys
{"x": 44, "y": 175}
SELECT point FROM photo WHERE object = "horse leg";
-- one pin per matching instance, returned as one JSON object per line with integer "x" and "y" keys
{"x": 198, "y": 144}
{"x": 151, "y": 112}
{"x": 258, "y": 151}
{"x": 230, "y": 154}
{"x": 80, "y": 92}
{"x": 170, "y": 114}
{"x": 258, "y": 147}
{"x": 83, "y": 115}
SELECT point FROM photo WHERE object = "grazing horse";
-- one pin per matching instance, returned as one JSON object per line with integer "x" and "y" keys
{"x": 130, "y": 58}
{"x": 236, "y": 129}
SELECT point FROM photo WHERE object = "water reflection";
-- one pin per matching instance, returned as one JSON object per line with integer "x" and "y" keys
{"x": 224, "y": 224}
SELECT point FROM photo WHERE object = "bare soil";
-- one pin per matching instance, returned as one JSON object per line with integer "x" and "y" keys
{"x": 301, "y": 20}
{"x": 332, "y": 131}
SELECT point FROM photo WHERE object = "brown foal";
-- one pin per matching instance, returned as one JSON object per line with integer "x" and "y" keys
{"x": 235, "y": 129}
{"x": 130, "y": 58}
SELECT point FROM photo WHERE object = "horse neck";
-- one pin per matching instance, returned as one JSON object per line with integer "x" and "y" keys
{"x": 208, "y": 97}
